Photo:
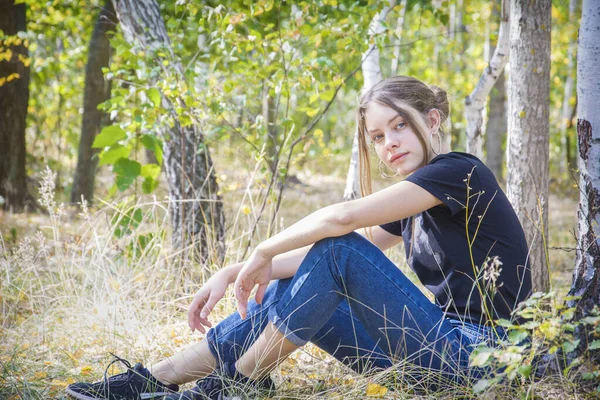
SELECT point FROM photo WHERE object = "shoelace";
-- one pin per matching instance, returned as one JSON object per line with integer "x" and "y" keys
{"x": 125, "y": 376}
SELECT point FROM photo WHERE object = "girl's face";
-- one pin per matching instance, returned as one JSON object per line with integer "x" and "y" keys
{"x": 394, "y": 141}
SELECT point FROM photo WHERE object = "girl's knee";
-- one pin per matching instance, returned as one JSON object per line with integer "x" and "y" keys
{"x": 350, "y": 239}
{"x": 276, "y": 290}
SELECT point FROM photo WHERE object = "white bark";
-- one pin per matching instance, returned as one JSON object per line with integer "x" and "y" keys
{"x": 586, "y": 275}
{"x": 475, "y": 102}
{"x": 371, "y": 70}
{"x": 528, "y": 128}
{"x": 398, "y": 40}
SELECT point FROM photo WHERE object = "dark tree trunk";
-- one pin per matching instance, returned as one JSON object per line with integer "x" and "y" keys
{"x": 14, "y": 97}
{"x": 195, "y": 208}
{"x": 97, "y": 90}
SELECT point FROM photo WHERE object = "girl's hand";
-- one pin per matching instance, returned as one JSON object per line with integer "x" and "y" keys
{"x": 205, "y": 300}
{"x": 256, "y": 271}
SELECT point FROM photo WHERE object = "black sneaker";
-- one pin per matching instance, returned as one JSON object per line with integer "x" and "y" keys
{"x": 221, "y": 386}
{"x": 135, "y": 384}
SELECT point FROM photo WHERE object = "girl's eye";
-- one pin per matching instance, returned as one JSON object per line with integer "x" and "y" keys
{"x": 400, "y": 125}
{"x": 377, "y": 138}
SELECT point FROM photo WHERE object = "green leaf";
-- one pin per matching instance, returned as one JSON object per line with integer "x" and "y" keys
{"x": 123, "y": 182}
{"x": 149, "y": 185}
{"x": 481, "y": 385}
{"x": 152, "y": 143}
{"x": 151, "y": 171}
{"x": 127, "y": 168}
{"x": 570, "y": 346}
{"x": 480, "y": 356}
{"x": 594, "y": 345}
{"x": 517, "y": 337}
{"x": 111, "y": 155}
{"x": 109, "y": 136}
{"x": 154, "y": 95}
{"x": 525, "y": 370}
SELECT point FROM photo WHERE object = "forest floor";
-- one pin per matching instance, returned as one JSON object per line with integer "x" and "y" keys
{"x": 73, "y": 290}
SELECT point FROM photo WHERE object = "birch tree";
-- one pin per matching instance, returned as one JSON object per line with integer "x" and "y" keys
{"x": 195, "y": 208}
{"x": 586, "y": 276}
{"x": 97, "y": 91}
{"x": 528, "y": 128}
{"x": 495, "y": 129}
{"x": 475, "y": 102}
{"x": 371, "y": 70}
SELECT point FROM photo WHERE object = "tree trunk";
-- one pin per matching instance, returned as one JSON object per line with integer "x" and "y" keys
{"x": 496, "y": 127}
{"x": 567, "y": 109}
{"x": 528, "y": 128}
{"x": 14, "y": 98}
{"x": 586, "y": 276}
{"x": 495, "y": 130}
{"x": 474, "y": 103}
{"x": 371, "y": 74}
{"x": 97, "y": 91}
{"x": 398, "y": 39}
{"x": 195, "y": 209}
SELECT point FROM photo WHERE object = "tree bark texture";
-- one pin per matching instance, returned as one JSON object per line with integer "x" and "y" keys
{"x": 475, "y": 102}
{"x": 528, "y": 128}
{"x": 586, "y": 276}
{"x": 371, "y": 70}
{"x": 195, "y": 209}
{"x": 398, "y": 39}
{"x": 14, "y": 98}
{"x": 97, "y": 91}
{"x": 495, "y": 130}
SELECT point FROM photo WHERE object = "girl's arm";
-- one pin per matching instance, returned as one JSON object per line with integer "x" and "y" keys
{"x": 396, "y": 202}
{"x": 391, "y": 204}
{"x": 285, "y": 265}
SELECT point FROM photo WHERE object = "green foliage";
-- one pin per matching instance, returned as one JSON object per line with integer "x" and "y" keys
{"x": 543, "y": 341}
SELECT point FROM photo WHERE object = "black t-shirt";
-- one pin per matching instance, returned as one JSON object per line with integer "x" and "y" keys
{"x": 440, "y": 254}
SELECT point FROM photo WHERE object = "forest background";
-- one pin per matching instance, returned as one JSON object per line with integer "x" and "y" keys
{"x": 269, "y": 90}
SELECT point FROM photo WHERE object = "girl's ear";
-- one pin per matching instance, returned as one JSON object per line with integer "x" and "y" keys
{"x": 434, "y": 118}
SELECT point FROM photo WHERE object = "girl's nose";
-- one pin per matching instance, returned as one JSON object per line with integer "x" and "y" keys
{"x": 391, "y": 142}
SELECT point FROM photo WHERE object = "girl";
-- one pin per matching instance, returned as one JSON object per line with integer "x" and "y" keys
{"x": 333, "y": 285}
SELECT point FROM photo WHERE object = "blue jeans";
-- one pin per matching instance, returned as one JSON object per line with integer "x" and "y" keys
{"x": 350, "y": 300}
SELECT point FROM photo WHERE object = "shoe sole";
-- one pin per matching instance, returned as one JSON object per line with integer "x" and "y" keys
{"x": 143, "y": 396}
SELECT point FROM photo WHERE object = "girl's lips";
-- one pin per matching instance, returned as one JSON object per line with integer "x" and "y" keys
{"x": 398, "y": 156}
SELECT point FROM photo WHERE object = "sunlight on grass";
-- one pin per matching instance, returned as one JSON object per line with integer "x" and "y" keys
{"x": 78, "y": 284}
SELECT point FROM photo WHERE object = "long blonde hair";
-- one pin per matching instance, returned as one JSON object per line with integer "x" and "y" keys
{"x": 412, "y": 99}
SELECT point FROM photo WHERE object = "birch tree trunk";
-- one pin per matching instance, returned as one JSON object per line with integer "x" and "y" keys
{"x": 371, "y": 70}
{"x": 195, "y": 208}
{"x": 14, "y": 98}
{"x": 398, "y": 40}
{"x": 528, "y": 128}
{"x": 495, "y": 130}
{"x": 475, "y": 102}
{"x": 586, "y": 276}
{"x": 496, "y": 127}
{"x": 97, "y": 91}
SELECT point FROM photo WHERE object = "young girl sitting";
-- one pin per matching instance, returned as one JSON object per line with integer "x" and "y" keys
{"x": 326, "y": 280}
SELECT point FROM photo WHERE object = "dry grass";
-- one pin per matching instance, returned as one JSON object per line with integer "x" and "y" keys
{"x": 75, "y": 292}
